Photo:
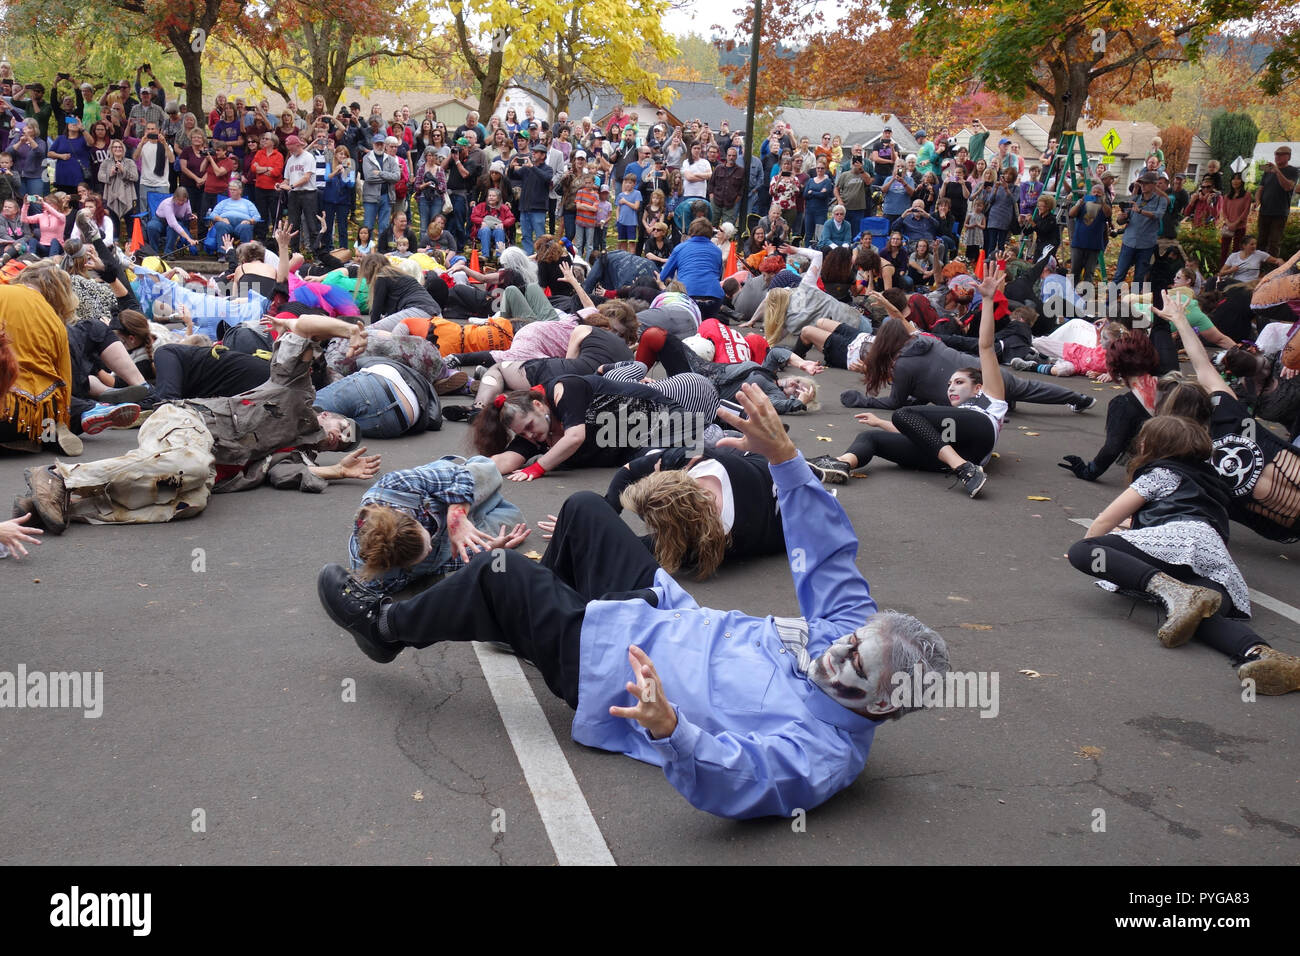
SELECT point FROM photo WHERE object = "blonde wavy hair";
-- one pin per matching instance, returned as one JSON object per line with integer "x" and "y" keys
{"x": 682, "y": 518}
{"x": 775, "y": 305}
{"x": 55, "y": 287}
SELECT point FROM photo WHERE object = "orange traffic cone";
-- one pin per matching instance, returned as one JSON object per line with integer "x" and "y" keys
{"x": 137, "y": 236}
{"x": 473, "y": 263}
{"x": 979, "y": 266}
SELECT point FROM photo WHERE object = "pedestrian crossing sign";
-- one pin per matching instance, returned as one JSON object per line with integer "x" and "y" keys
{"x": 1111, "y": 141}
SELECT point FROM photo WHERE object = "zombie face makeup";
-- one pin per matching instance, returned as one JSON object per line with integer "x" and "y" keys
{"x": 854, "y": 672}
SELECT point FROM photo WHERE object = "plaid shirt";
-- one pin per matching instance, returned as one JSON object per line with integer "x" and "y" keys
{"x": 424, "y": 492}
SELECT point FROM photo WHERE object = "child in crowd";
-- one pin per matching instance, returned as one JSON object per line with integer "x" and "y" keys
{"x": 365, "y": 243}
{"x": 49, "y": 223}
{"x": 588, "y": 202}
{"x": 629, "y": 206}
{"x": 972, "y": 237}
{"x": 604, "y": 210}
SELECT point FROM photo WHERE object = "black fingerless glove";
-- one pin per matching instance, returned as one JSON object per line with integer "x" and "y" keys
{"x": 1085, "y": 470}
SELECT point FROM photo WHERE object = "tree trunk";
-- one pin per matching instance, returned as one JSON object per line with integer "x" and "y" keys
{"x": 1071, "y": 96}
{"x": 490, "y": 89}
{"x": 561, "y": 102}
{"x": 192, "y": 60}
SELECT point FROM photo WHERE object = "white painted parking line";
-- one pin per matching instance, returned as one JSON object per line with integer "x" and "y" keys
{"x": 1258, "y": 597}
{"x": 572, "y": 829}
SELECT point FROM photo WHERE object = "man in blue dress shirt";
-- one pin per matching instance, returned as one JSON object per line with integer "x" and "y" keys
{"x": 747, "y": 716}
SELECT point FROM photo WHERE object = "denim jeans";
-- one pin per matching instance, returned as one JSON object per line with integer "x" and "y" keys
{"x": 242, "y": 233}
{"x": 459, "y": 224}
{"x": 571, "y": 224}
{"x": 429, "y": 208}
{"x": 378, "y": 214}
{"x": 854, "y": 218}
{"x": 586, "y": 240}
{"x": 489, "y": 238}
{"x": 1138, "y": 259}
{"x": 155, "y": 228}
{"x": 531, "y": 224}
{"x": 367, "y": 398}
{"x": 35, "y": 187}
{"x": 336, "y": 220}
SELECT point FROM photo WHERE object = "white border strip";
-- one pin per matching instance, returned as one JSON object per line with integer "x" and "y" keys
{"x": 572, "y": 829}
{"x": 1258, "y": 597}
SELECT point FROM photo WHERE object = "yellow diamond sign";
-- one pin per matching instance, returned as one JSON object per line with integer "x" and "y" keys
{"x": 1111, "y": 141}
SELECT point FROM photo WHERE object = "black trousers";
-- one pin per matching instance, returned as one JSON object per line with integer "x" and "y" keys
{"x": 1128, "y": 567}
{"x": 536, "y": 608}
{"x": 303, "y": 209}
{"x": 267, "y": 202}
{"x": 921, "y": 433}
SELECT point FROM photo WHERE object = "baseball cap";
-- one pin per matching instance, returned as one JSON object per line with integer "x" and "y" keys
{"x": 1148, "y": 177}
{"x": 1004, "y": 141}
{"x": 381, "y": 138}
{"x": 538, "y": 148}
{"x": 579, "y": 154}
{"x": 887, "y": 129}
{"x": 292, "y": 141}
{"x": 604, "y": 189}
{"x": 921, "y": 133}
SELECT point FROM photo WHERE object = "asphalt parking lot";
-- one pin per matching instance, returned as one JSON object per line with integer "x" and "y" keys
{"x": 226, "y": 693}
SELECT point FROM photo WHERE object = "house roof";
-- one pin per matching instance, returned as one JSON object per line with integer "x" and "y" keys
{"x": 852, "y": 127}
{"x": 1135, "y": 137}
{"x": 1265, "y": 151}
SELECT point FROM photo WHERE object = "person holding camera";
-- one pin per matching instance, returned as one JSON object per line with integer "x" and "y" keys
{"x": 155, "y": 156}
{"x": 533, "y": 177}
{"x": 35, "y": 107}
{"x": 119, "y": 177}
{"x": 146, "y": 112}
{"x": 29, "y": 154}
{"x": 218, "y": 168}
{"x": 463, "y": 174}
{"x": 1141, "y": 217}
{"x": 1276, "y": 189}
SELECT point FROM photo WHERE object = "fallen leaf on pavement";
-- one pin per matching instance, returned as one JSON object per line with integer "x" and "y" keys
{"x": 823, "y": 438}
{"x": 418, "y": 795}
{"x": 1032, "y": 434}
{"x": 1091, "y": 752}
{"x": 1029, "y": 673}
{"x": 976, "y": 627}
{"x": 957, "y": 597}
{"x": 533, "y": 555}
{"x": 1036, "y": 498}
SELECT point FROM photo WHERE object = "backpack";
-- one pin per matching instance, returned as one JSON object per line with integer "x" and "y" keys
{"x": 400, "y": 187}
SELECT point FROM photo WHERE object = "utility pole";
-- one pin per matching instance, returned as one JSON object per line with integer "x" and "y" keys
{"x": 749, "y": 115}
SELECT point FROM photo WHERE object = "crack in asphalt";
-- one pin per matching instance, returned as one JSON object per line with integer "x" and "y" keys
{"x": 416, "y": 723}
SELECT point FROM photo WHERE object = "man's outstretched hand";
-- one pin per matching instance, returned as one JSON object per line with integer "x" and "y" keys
{"x": 762, "y": 430}
{"x": 652, "y": 710}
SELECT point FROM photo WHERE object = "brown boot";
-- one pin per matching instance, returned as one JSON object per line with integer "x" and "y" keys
{"x": 24, "y": 505}
{"x": 1273, "y": 672}
{"x": 50, "y": 498}
{"x": 1186, "y": 605}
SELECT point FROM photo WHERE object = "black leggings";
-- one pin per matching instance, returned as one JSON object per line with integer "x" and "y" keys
{"x": 536, "y": 608}
{"x": 1128, "y": 567}
{"x": 921, "y": 433}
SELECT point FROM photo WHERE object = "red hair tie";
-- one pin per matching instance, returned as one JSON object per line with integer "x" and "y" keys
{"x": 499, "y": 401}
{"x": 539, "y": 389}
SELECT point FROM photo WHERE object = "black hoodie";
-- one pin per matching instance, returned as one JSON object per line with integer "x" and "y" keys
{"x": 921, "y": 376}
